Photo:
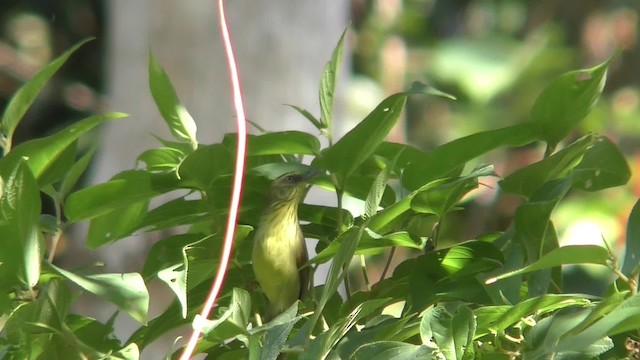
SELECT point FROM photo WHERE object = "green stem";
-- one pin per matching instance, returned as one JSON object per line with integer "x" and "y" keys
{"x": 365, "y": 276}
{"x": 388, "y": 264}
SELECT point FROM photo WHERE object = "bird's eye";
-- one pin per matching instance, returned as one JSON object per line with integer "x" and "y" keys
{"x": 289, "y": 178}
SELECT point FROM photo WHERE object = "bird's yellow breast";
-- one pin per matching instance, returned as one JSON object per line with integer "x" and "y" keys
{"x": 278, "y": 243}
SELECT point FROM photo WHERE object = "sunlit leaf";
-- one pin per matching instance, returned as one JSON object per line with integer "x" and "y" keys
{"x": 568, "y": 100}
{"x": 20, "y": 228}
{"x": 565, "y": 255}
{"x": 126, "y": 291}
{"x": 176, "y": 116}
{"x": 26, "y": 95}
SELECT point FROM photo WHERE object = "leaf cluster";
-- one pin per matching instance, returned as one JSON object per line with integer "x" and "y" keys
{"x": 497, "y": 296}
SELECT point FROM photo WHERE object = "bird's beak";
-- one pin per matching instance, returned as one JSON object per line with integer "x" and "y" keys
{"x": 310, "y": 174}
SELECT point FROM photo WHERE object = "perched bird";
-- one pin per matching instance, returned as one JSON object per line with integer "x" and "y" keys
{"x": 279, "y": 248}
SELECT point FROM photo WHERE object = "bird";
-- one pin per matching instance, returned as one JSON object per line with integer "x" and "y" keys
{"x": 279, "y": 249}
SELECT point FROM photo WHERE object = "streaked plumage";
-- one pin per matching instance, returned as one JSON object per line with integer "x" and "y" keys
{"x": 279, "y": 248}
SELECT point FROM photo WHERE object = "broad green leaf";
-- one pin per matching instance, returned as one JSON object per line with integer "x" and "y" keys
{"x": 528, "y": 179}
{"x": 232, "y": 320}
{"x": 265, "y": 342}
{"x": 338, "y": 268}
{"x": 126, "y": 291}
{"x": 176, "y": 116}
{"x": 325, "y": 215}
{"x": 167, "y": 253}
{"x": 174, "y": 213}
{"x": 604, "y": 307}
{"x": 370, "y": 243}
{"x": 623, "y": 318}
{"x": 76, "y": 171}
{"x": 603, "y": 166}
{"x": 42, "y": 153}
{"x": 115, "y": 225}
{"x": 277, "y": 143}
{"x": 381, "y": 327}
{"x": 449, "y": 329}
{"x": 392, "y": 350}
{"x": 59, "y": 167}
{"x": 126, "y": 188}
{"x": 404, "y": 153}
{"x": 439, "y": 199}
{"x": 536, "y": 232}
{"x": 273, "y": 171}
{"x": 325, "y": 342}
{"x": 509, "y": 315}
{"x": 328, "y": 85}
{"x": 450, "y": 157}
{"x": 362, "y": 140}
{"x": 384, "y": 220}
{"x": 358, "y": 187}
{"x": 93, "y": 333}
{"x": 544, "y": 339}
{"x": 568, "y": 100}
{"x": 448, "y": 274}
{"x": 161, "y": 159}
{"x": 632, "y": 247}
{"x": 465, "y": 259}
{"x": 565, "y": 255}
{"x": 26, "y": 95}
{"x": 218, "y": 162}
{"x": 21, "y": 240}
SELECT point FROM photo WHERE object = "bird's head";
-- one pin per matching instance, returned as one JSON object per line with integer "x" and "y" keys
{"x": 289, "y": 188}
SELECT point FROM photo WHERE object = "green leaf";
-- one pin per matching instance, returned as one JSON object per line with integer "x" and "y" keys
{"x": 568, "y": 100}
{"x": 509, "y": 315}
{"x": 328, "y": 84}
{"x": 276, "y": 143}
{"x": 603, "y": 166}
{"x": 392, "y": 350}
{"x": 232, "y": 320}
{"x": 167, "y": 253}
{"x": 219, "y": 162}
{"x": 115, "y": 225}
{"x": 174, "y": 213}
{"x": 565, "y": 255}
{"x": 76, "y": 171}
{"x": 338, "y": 268}
{"x": 127, "y": 188}
{"x": 372, "y": 202}
{"x": 623, "y": 318}
{"x": 449, "y": 329}
{"x": 59, "y": 167}
{"x": 176, "y": 116}
{"x": 265, "y": 342}
{"x": 544, "y": 339}
{"x": 448, "y": 158}
{"x": 528, "y": 179}
{"x": 20, "y": 228}
{"x": 161, "y": 159}
{"x": 307, "y": 115}
{"x": 26, "y": 95}
{"x": 126, "y": 291}
{"x": 632, "y": 247}
{"x": 362, "y": 140}
{"x": 42, "y": 153}
{"x": 325, "y": 342}
{"x": 439, "y": 199}
{"x": 370, "y": 243}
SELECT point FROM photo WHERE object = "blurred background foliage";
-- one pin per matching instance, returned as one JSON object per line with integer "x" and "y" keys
{"x": 495, "y": 56}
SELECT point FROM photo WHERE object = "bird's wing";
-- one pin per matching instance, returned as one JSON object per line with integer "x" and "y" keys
{"x": 304, "y": 273}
